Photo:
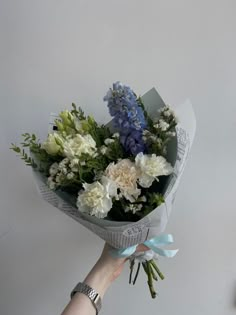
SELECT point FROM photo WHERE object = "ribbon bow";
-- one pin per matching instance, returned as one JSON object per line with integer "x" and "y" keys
{"x": 153, "y": 244}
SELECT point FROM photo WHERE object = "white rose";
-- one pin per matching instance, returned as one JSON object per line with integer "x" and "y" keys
{"x": 74, "y": 147}
{"x": 53, "y": 144}
{"x": 125, "y": 175}
{"x": 95, "y": 199}
{"x": 150, "y": 167}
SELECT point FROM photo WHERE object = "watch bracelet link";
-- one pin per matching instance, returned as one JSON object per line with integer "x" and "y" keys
{"x": 90, "y": 293}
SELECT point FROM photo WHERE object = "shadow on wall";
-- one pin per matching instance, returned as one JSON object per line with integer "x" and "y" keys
{"x": 234, "y": 294}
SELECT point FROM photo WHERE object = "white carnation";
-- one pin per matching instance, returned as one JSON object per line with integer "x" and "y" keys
{"x": 124, "y": 174}
{"x": 74, "y": 147}
{"x": 74, "y": 162}
{"x": 95, "y": 199}
{"x": 150, "y": 167}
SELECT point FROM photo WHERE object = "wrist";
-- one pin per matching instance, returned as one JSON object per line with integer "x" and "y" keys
{"x": 99, "y": 278}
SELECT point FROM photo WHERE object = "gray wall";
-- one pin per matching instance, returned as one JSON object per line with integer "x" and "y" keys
{"x": 55, "y": 52}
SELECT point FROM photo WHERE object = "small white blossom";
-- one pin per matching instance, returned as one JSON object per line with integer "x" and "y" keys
{"x": 53, "y": 169}
{"x": 63, "y": 163}
{"x": 168, "y": 112}
{"x": 103, "y": 149}
{"x": 82, "y": 163}
{"x": 150, "y": 167}
{"x": 70, "y": 175}
{"x": 75, "y": 169}
{"x": 154, "y": 138}
{"x": 51, "y": 183}
{"x": 64, "y": 170}
{"x": 59, "y": 178}
{"x": 146, "y": 132}
{"x": 108, "y": 141}
{"x": 163, "y": 125}
{"x": 116, "y": 135}
{"x": 142, "y": 199}
{"x": 133, "y": 208}
{"x": 171, "y": 134}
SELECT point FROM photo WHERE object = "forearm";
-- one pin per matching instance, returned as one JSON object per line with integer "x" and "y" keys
{"x": 79, "y": 305}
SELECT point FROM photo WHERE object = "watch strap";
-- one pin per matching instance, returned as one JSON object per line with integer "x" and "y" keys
{"x": 90, "y": 293}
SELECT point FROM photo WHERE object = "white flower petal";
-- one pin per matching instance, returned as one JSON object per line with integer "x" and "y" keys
{"x": 150, "y": 167}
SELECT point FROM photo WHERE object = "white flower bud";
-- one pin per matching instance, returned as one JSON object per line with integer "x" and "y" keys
{"x": 108, "y": 141}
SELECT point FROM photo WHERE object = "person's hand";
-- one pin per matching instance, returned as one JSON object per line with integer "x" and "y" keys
{"x": 106, "y": 270}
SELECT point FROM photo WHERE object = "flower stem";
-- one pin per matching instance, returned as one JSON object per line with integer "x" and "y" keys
{"x": 147, "y": 269}
{"x": 132, "y": 263}
{"x": 154, "y": 265}
{"x": 150, "y": 280}
{"x": 152, "y": 272}
{"x": 136, "y": 275}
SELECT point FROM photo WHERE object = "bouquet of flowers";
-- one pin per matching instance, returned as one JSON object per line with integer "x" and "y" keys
{"x": 115, "y": 179}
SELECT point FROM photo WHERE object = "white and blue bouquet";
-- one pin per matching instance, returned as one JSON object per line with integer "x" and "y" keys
{"x": 115, "y": 179}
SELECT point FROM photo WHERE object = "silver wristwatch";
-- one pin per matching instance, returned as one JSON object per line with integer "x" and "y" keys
{"x": 91, "y": 294}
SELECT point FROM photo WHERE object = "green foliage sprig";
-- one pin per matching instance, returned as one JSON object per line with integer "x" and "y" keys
{"x": 24, "y": 156}
{"x": 39, "y": 158}
{"x": 78, "y": 112}
{"x": 147, "y": 117}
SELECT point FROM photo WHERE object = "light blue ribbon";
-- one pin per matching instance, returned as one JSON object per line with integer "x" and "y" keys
{"x": 153, "y": 244}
